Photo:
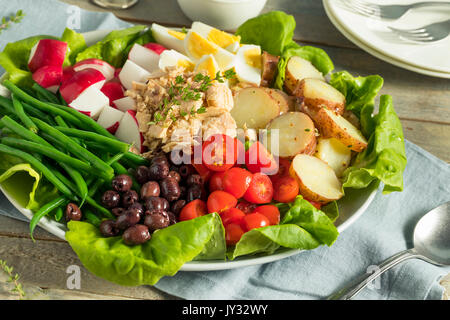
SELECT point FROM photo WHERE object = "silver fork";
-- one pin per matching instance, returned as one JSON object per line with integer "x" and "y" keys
{"x": 387, "y": 11}
{"x": 430, "y": 33}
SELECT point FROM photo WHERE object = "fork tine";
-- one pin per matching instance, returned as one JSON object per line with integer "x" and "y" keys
{"x": 418, "y": 30}
{"x": 362, "y": 8}
{"x": 416, "y": 37}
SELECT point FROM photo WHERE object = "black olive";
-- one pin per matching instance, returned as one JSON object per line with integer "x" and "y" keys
{"x": 122, "y": 183}
{"x": 170, "y": 189}
{"x": 141, "y": 174}
{"x": 73, "y": 212}
{"x": 194, "y": 179}
{"x": 111, "y": 199}
{"x": 127, "y": 219}
{"x": 156, "y": 221}
{"x": 129, "y": 197}
{"x": 194, "y": 192}
{"x": 172, "y": 218}
{"x": 175, "y": 175}
{"x": 150, "y": 189}
{"x": 177, "y": 206}
{"x": 117, "y": 211}
{"x": 136, "y": 234}
{"x": 161, "y": 158}
{"x": 157, "y": 204}
{"x": 158, "y": 171}
{"x": 108, "y": 228}
{"x": 185, "y": 171}
{"x": 183, "y": 191}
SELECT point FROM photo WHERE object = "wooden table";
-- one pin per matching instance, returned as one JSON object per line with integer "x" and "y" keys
{"x": 422, "y": 102}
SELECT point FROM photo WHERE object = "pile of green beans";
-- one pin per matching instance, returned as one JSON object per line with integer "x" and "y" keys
{"x": 62, "y": 144}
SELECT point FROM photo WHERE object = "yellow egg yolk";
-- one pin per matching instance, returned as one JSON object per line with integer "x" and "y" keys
{"x": 253, "y": 58}
{"x": 177, "y": 34}
{"x": 222, "y": 39}
{"x": 199, "y": 46}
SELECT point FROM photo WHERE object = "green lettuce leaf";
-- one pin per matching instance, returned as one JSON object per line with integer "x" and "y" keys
{"x": 163, "y": 255}
{"x": 115, "y": 46}
{"x": 302, "y": 227}
{"x": 76, "y": 44}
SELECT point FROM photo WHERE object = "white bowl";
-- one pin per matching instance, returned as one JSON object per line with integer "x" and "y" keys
{"x": 222, "y": 14}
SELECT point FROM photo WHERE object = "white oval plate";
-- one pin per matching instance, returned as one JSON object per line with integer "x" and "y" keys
{"x": 374, "y": 37}
{"x": 351, "y": 207}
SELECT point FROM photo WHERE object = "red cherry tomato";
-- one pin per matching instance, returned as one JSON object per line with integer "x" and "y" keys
{"x": 260, "y": 189}
{"x": 216, "y": 181}
{"x": 219, "y": 201}
{"x": 232, "y": 215}
{"x": 258, "y": 159}
{"x": 233, "y": 233}
{"x": 283, "y": 169}
{"x": 271, "y": 212}
{"x": 315, "y": 204}
{"x": 193, "y": 209}
{"x": 219, "y": 152}
{"x": 253, "y": 221}
{"x": 202, "y": 171}
{"x": 236, "y": 181}
{"x": 246, "y": 207}
{"x": 285, "y": 189}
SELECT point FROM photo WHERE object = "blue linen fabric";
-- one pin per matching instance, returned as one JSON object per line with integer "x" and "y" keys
{"x": 383, "y": 230}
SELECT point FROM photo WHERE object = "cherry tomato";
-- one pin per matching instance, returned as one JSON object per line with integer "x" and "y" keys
{"x": 233, "y": 233}
{"x": 285, "y": 189}
{"x": 271, "y": 212}
{"x": 202, "y": 171}
{"x": 246, "y": 207}
{"x": 193, "y": 209}
{"x": 283, "y": 169}
{"x": 260, "y": 189}
{"x": 232, "y": 215}
{"x": 315, "y": 204}
{"x": 254, "y": 220}
{"x": 219, "y": 201}
{"x": 236, "y": 181}
{"x": 216, "y": 181}
{"x": 258, "y": 159}
{"x": 219, "y": 152}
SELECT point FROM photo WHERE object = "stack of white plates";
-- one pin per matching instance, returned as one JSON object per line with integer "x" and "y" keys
{"x": 377, "y": 39}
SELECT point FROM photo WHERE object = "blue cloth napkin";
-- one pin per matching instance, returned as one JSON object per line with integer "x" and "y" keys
{"x": 383, "y": 230}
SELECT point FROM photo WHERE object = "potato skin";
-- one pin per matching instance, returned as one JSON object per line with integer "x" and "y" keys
{"x": 317, "y": 102}
{"x": 281, "y": 97}
{"x": 330, "y": 129}
{"x": 269, "y": 68}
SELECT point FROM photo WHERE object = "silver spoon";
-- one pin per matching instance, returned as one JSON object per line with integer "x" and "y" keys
{"x": 431, "y": 244}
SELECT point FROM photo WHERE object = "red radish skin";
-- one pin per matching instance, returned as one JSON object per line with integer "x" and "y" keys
{"x": 48, "y": 76}
{"x": 156, "y": 47}
{"x": 104, "y": 67}
{"x": 68, "y": 72}
{"x": 114, "y": 91}
{"x": 79, "y": 82}
{"x": 47, "y": 52}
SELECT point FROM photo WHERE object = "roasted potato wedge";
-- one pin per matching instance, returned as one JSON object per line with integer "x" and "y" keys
{"x": 254, "y": 108}
{"x": 317, "y": 93}
{"x": 290, "y": 134}
{"x": 298, "y": 69}
{"x": 334, "y": 153}
{"x": 284, "y": 101}
{"x": 317, "y": 180}
{"x": 332, "y": 125}
{"x": 269, "y": 68}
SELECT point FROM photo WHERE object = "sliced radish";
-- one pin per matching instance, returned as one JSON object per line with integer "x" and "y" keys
{"x": 143, "y": 57}
{"x": 156, "y": 47}
{"x": 49, "y": 77}
{"x": 132, "y": 72}
{"x": 125, "y": 104}
{"x": 128, "y": 131}
{"x": 114, "y": 91}
{"x": 90, "y": 102}
{"x": 104, "y": 67}
{"x": 79, "y": 82}
{"x": 47, "y": 52}
{"x": 110, "y": 118}
{"x": 68, "y": 72}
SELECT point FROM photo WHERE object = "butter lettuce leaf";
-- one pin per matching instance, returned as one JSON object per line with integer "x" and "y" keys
{"x": 162, "y": 255}
{"x": 75, "y": 44}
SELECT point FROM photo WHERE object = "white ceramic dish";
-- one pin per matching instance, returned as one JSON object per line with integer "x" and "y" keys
{"x": 222, "y": 14}
{"x": 351, "y": 207}
{"x": 374, "y": 37}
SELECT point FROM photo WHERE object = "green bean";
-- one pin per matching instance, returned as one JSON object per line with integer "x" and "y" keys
{"x": 32, "y": 111}
{"x": 46, "y": 209}
{"x": 40, "y": 167}
{"x": 22, "y": 115}
{"x": 132, "y": 159}
{"x": 110, "y": 144}
{"x": 69, "y": 145}
{"x": 91, "y": 217}
{"x": 60, "y": 122}
{"x": 7, "y": 104}
{"x": 51, "y": 153}
{"x": 43, "y": 106}
{"x": 59, "y": 214}
{"x": 49, "y": 96}
{"x": 61, "y": 99}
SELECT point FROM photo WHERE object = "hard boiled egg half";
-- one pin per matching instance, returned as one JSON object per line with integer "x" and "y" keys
{"x": 197, "y": 46}
{"x": 169, "y": 38}
{"x": 222, "y": 39}
{"x": 247, "y": 64}
{"x": 208, "y": 65}
{"x": 172, "y": 58}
